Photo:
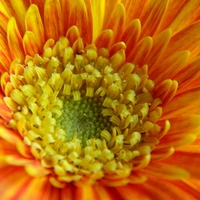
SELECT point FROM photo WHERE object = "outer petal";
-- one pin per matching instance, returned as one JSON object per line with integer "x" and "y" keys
{"x": 15, "y": 40}
{"x": 5, "y": 54}
{"x": 131, "y": 35}
{"x": 188, "y": 74}
{"x": 134, "y": 12}
{"x": 140, "y": 51}
{"x": 160, "y": 43}
{"x": 180, "y": 15}
{"x": 117, "y": 22}
{"x": 98, "y": 11}
{"x": 169, "y": 67}
{"x": 53, "y": 19}
{"x": 40, "y": 5}
{"x": 187, "y": 39}
{"x": 183, "y": 103}
{"x": 152, "y": 16}
{"x": 17, "y": 9}
{"x": 79, "y": 17}
{"x": 33, "y": 23}
{"x": 30, "y": 44}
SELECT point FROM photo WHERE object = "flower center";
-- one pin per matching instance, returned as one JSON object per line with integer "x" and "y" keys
{"x": 83, "y": 111}
{"x": 82, "y": 118}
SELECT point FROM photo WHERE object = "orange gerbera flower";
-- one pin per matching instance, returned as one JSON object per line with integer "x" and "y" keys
{"x": 99, "y": 99}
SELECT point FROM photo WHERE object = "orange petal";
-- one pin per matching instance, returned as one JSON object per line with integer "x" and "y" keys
{"x": 35, "y": 169}
{"x": 180, "y": 15}
{"x": 5, "y": 55}
{"x": 160, "y": 43}
{"x": 162, "y": 70}
{"x": 184, "y": 103}
{"x": 72, "y": 34}
{"x": 185, "y": 124}
{"x": 85, "y": 193}
{"x": 152, "y": 16}
{"x": 166, "y": 90}
{"x": 33, "y": 23}
{"x": 98, "y": 12}
{"x": 15, "y": 40}
{"x": 118, "y": 59}
{"x": 5, "y": 111}
{"x": 140, "y": 51}
{"x": 17, "y": 9}
{"x": 162, "y": 153}
{"x": 40, "y": 5}
{"x": 105, "y": 193}
{"x": 65, "y": 8}
{"x": 79, "y": 17}
{"x": 9, "y": 135}
{"x": 134, "y": 12}
{"x": 132, "y": 34}
{"x": 53, "y": 19}
{"x": 117, "y": 47}
{"x": 43, "y": 190}
{"x": 188, "y": 73}
{"x": 165, "y": 171}
{"x": 135, "y": 191}
{"x": 188, "y": 160}
{"x": 3, "y": 21}
{"x": 104, "y": 39}
{"x": 109, "y": 7}
{"x": 187, "y": 39}
{"x": 30, "y": 44}
{"x": 67, "y": 193}
{"x": 117, "y": 22}
{"x": 13, "y": 182}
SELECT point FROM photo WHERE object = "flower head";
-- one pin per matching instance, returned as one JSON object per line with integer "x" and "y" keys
{"x": 99, "y": 99}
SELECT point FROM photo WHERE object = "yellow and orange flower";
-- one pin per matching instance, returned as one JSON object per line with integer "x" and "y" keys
{"x": 99, "y": 99}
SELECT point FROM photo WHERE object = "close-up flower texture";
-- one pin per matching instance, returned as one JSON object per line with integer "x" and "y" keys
{"x": 100, "y": 99}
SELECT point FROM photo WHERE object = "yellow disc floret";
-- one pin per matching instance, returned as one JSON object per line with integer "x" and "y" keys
{"x": 84, "y": 112}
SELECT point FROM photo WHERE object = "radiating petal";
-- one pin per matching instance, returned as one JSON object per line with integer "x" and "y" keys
{"x": 40, "y": 5}
{"x": 3, "y": 21}
{"x": 165, "y": 171}
{"x": 152, "y": 16}
{"x": 17, "y": 9}
{"x": 33, "y": 23}
{"x": 188, "y": 160}
{"x": 188, "y": 74}
{"x": 166, "y": 90}
{"x": 85, "y": 193}
{"x": 79, "y": 17}
{"x": 9, "y": 135}
{"x": 180, "y": 15}
{"x": 53, "y": 19}
{"x": 140, "y": 51}
{"x": 104, "y": 39}
{"x": 186, "y": 39}
{"x": 185, "y": 102}
{"x": 169, "y": 67}
{"x": 117, "y": 21}
{"x": 160, "y": 43}
{"x": 65, "y": 7}
{"x": 109, "y": 7}
{"x": 134, "y": 12}
{"x": 15, "y": 40}
{"x": 5, "y": 54}
{"x": 68, "y": 192}
{"x": 30, "y": 44}
{"x": 98, "y": 11}
{"x": 131, "y": 34}
{"x": 72, "y": 34}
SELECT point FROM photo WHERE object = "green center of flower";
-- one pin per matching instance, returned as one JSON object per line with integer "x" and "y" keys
{"x": 82, "y": 119}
